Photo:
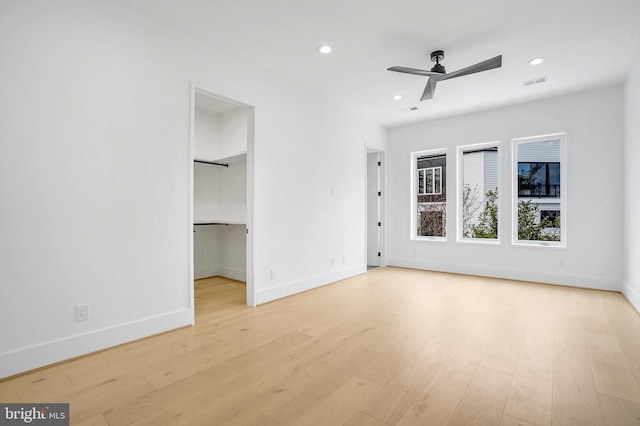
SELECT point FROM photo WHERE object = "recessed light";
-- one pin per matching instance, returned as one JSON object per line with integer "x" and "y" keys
{"x": 397, "y": 97}
{"x": 324, "y": 48}
{"x": 536, "y": 61}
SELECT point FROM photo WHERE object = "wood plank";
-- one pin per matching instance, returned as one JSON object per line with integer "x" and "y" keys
{"x": 458, "y": 371}
{"x": 530, "y": 395}
{"x": 220, "y": 379}
{"x": 394, "y": 398}
{"x": 88, "y": 402}
{"x": 610, "y": 371}
{"x": 93, "y": 421}
{"x": 361, "y": 419}
{"x": 324, "y": 377}
{"x": 510, "y": 421}
{"x": 412, "y": 349}
{"x": 434, "y": 406}
{"x": 219, "y": 407}
{"x": 625, "y": 324}
{"x": 574, "y": 394}
{"x": 484, "y": 401}
{"x": 461, "y": 366}
{"x": 617, "y": 411}
{"x": 191, "y": 363}
{"x": 340, "y": 405}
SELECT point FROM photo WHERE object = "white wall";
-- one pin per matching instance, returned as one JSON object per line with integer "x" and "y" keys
{"x": 220, "y": 193}
{"x": 206, "y": 251}
{"x": 593, "y": 257}
{"x": 220, "y": 250}
{"x": 218, "y": 136}
{"x": 233, "y": 133}
{"x": 631, "y": 287}
{"x": 94, "y": 178}
{"x": 233, "y": 249}
{"x": 311, "y": 200}
{"x": 206, "y": 130}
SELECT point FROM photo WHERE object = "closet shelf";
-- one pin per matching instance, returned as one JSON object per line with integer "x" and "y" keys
{"x": 218, "y": 222}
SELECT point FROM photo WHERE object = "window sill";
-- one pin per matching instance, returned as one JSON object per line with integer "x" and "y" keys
{"x": 540, "y": 244}
{"x": 434, "y": 239}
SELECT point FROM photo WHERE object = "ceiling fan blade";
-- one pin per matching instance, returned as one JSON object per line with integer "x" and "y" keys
{"x": 429, "y": 89}
{"x": 489, "y": 64}
{"x": 414, "y": 71}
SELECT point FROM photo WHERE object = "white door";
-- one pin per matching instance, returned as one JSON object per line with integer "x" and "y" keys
{"x": 373, "y": 209}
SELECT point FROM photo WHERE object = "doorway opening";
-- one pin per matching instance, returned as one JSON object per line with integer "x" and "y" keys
{"x": 374, "y": 208}
{"x": 221, "y": 193}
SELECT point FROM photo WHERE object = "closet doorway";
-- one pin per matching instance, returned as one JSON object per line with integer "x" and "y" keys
{"x": 221, "y": 195}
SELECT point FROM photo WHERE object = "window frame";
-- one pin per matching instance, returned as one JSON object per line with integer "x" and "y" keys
{"x": 414, "y": 194}
{"x": 515, "y": 143}
{"x": 433, "y": 180}
{"x": 460, "y": 193}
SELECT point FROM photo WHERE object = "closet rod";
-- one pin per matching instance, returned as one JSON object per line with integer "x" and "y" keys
{"x": 211, "y": 162}
{"x": 209, "y": 223}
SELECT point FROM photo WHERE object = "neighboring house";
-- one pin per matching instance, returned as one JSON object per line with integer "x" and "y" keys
{"x": 480, "y": 175}
{"x": 432, "y": 195}
{"x": 539, "y": 177}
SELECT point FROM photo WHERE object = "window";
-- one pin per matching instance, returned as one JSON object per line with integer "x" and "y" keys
{"x": 478, "y": 181}
{"x": 549, "y": 214}
{"x": 538, "y": 179}
{"x": 429, "y": 182}
{"x": 538, "y": 190}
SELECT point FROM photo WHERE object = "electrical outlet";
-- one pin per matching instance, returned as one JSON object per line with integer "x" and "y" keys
{"x": 333, "y": 261}
{"x": 273, "y": 274}
{"x": 82, "y": 312}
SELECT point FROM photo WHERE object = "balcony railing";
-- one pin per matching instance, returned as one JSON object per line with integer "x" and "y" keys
{"x": 538, "y": 190}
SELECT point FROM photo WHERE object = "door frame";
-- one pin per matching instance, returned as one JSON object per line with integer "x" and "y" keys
{"x": 250, "y": 285}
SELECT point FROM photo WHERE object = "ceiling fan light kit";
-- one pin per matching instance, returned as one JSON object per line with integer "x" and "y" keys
{"x": 438, "y": 72}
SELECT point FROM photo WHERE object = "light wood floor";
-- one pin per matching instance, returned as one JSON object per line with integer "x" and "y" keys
{"x": 390, "y": 347}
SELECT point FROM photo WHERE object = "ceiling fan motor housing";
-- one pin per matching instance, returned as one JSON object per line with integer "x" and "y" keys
{"x": 438, "y": 68}
{"x": 437, "y": 56}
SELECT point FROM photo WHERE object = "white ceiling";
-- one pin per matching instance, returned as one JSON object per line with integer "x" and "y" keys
{"x": 587, "y": 43}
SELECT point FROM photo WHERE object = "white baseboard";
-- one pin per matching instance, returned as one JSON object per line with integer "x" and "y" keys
{"x": 290, "y": 288}
{"x": 234, "y": 274}
{"x": 632, "y": 295}
{"x": 222, "y": 271}
{"x": 206, "y": 272}
{"x": 19, "y": 361}
{"x": 598, "y": 283}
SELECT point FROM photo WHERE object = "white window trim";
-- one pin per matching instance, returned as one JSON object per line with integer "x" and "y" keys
{"x": 563, "y": 192}
{"x": 414, "y": 196}
{"x": 460, "y": 193}
{"x": 433, "y": 170}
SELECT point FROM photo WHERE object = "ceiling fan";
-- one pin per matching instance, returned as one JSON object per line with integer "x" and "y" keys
{"x": 438, "y": 72}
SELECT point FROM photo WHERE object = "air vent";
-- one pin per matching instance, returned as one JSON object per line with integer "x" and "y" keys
{"x": 534, "y": 81}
